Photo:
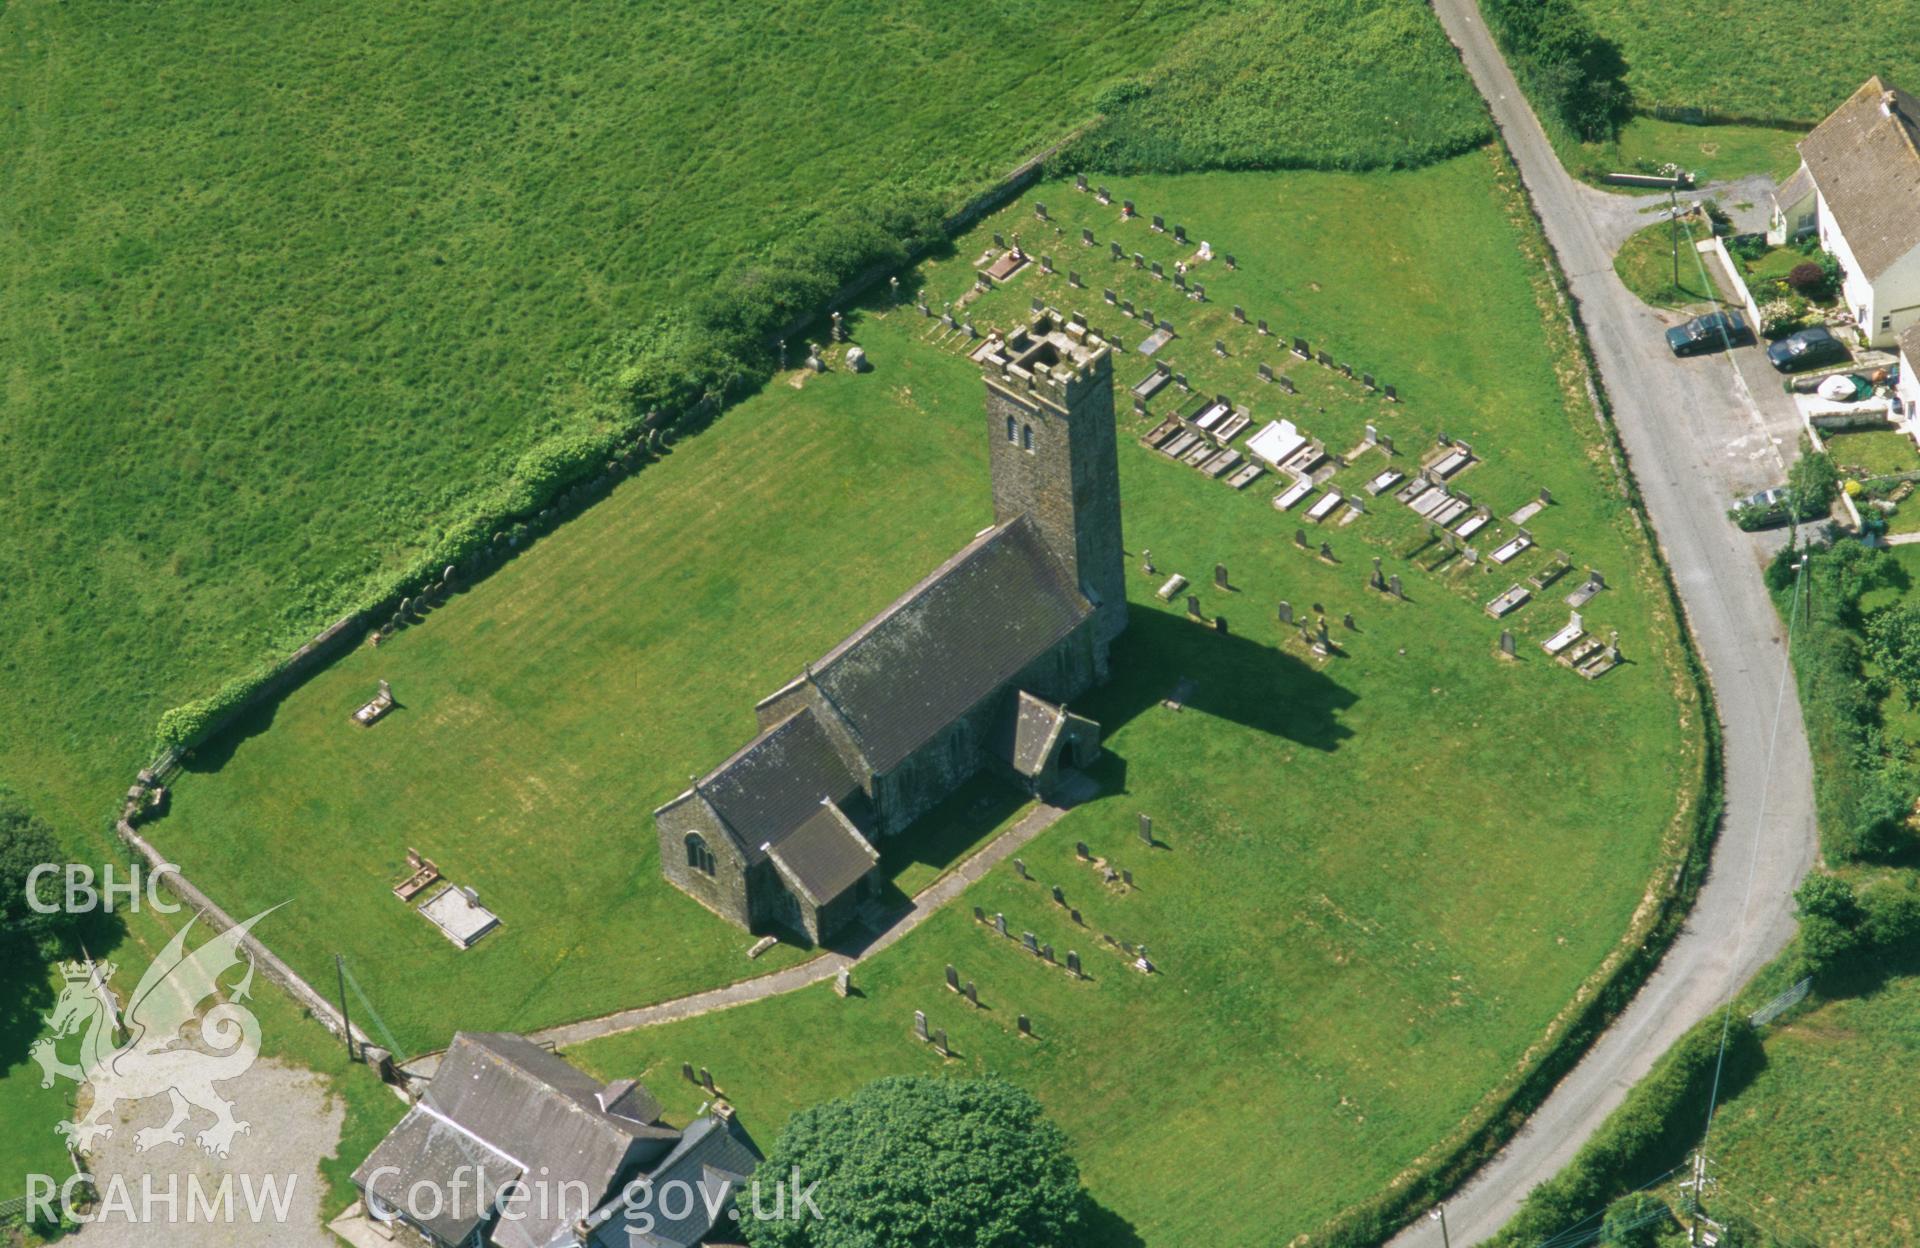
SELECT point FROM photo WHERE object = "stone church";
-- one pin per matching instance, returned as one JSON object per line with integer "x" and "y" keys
{"x": 972, "y": 668}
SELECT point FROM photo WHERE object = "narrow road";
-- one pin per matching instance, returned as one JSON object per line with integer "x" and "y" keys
{"x": 1695, "y": 432}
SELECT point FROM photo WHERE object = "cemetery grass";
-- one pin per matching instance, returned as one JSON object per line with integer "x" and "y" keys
{"x": 1645, "y": 263}
{"x": 1380, "y": 879}
{"x": 1737, "y": 58}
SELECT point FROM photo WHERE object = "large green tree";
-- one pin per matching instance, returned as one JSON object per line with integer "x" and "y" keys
{"x": 911, "y": 1162}
{"x": 26, "y": 842}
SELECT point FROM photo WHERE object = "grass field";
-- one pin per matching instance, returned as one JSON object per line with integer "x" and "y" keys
{"x": 1646, "y": 263}
{"x": 1740, "y": 59}
{"x": 1877, "y": 452}
{"x": 1328, "y": 917}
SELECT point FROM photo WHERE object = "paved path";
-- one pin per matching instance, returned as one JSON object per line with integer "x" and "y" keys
{"x": 1697, "y": 432}
{"x": 937, "y": 894}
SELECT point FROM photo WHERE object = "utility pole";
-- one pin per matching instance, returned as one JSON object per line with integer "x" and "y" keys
{"x": 346, "y": 1024}
{"x": 1697, "y": 1188}
{"x": 1673, "y": 229}
{"x": 1439, "y": 1214}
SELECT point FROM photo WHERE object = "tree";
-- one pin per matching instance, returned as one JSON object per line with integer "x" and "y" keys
{"x": 911, "y": 1162}
{"x": 25, "y": 842}
{"x": 1830, "y": 921}
{"x": 1635, "y": 1221}
{"x": 1813, "y": 480}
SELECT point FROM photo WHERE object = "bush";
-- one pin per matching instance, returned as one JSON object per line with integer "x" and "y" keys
{"x": 1636, "y": 1221}
{"x": 1812, "y": 480}
{"x": 1830, "y": 922}
{"x": 1808, "y": 278}
{"x": 1892, "y": 909}
{"x": 26, "y": 842}
{"x": 1571, "y": 74}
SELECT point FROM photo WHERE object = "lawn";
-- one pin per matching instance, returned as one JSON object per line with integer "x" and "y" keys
{"x": 1646, "y": 262}
{"x": 1876, "y": 452}
{"x": 1380, "y": 876}
{"x": 1710, "y": 153}
{"x": 1737, "y": 58}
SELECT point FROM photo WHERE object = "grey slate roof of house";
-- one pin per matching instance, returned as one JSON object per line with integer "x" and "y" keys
{"x": 951, "y": 640}
{"x": 825, "y": 855}
{"x": 1866, "y": 163}
{"x": 777, "y": 781}
{"x": 1910, "y": 344}
{"x": 711, "y": 1158}
{"x": 1027, "y": 732}
{"x": 499, "y": 1100}
{"x": 1794, "y": 189}
{"x": 426, "y": 1148}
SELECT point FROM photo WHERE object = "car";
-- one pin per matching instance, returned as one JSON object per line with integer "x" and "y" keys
{"x": 1807, "y": 349}
{"x": 1709, "y": 333}
{"x": 1775, "y": 497}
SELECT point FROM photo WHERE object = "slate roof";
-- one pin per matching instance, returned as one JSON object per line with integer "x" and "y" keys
{"x": 1910, "y": 344}
{"x": 425, "y": 1147}
{"x": 1866, "y": 162}
{"x": 1027, "y": 731}
{"x": 711, "y": 1158}
{"x": 1794, "y": 189}
{"x": 777, "y": 782}
{"x": 501, "y": 1101}
{"x": 825, "y": 855}
{"x": 951, "y": 640}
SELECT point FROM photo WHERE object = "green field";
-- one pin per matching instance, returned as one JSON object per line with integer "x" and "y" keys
{"x": 1342, "y": 899}
{"x": 1710, "y": 153}
{"x": 1777, "y": 63}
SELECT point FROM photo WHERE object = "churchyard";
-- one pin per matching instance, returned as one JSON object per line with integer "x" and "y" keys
{"x": 1405, "y": 853}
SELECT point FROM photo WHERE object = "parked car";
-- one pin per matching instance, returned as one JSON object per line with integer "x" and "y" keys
{"x": 1709, "y": 333}
{"x": 1762, "y": 510}
{"x": 1809, "y": 348}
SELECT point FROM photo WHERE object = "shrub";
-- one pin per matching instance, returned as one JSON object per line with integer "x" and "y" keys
{"x": 1782, "y": 316}
{"x": 1893, "y": 638}
{"x": 25, "y": 842}
{"x": 1572, "y": 74}
{"x": 1892, "y": 908}
{"x": 1636, "y": 1221}
{"x": 1813, "y": 480}
{"x": 1808, "y": 278}
{"x": 1830, "y": 922}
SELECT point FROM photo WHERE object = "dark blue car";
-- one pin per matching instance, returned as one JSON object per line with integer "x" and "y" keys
{"x": 1709, "y": 333}
{"x": 1809, "y": 348}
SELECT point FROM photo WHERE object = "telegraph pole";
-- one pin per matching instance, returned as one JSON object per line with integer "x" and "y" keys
{"x": 1698, "y": 1187}
{"x": 1673, "y": 229}
{"x": 1439, "y": 1214}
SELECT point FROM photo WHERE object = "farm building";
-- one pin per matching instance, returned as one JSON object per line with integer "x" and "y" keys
{"x": 1858, "y": 187}
{"x": 971, "y": 668}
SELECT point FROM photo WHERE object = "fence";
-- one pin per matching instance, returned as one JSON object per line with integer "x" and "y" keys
{"x": 1781, "y": 1004}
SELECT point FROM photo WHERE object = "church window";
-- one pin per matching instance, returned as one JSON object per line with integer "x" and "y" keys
{"x": 699, "y": 857}
{"x": 1010, "y": 434}
{"x": 1026, "y": 437}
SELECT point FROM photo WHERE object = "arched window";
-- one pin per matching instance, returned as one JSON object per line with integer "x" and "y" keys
{"x": 1010, "y": 435}
{"x": 1026, "y": 437}
{"x": 699, "y": 857}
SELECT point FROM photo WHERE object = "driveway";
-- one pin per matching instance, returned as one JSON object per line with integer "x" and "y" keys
{"x": 1696, "y": 431}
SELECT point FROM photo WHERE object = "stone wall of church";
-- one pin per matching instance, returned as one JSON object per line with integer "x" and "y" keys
{"x": 725, "y": 892}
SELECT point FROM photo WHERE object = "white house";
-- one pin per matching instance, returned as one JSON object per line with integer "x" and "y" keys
{"x": 1858, "y": 187}
{"x": 1909, "y": 390}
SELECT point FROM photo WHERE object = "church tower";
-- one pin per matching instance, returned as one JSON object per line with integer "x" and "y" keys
{"x": 1050, "y": 421}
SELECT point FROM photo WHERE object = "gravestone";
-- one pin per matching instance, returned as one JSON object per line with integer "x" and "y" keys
{"x": 1073, "y": 278}
{"x": 1040, "y": 210}
{"x": 1346, "y": 370}
{"x": 1159, "y": 224}
{"x": 1108, "y": 295}
{"x": 1286, "y": 384}
{"x": 1140, "y": 405}
{"x": 1262, "y": 327}
{"x": 1079, "y": 181}
{"x": 970, "y": 331}
{"x": 1346, "y": 622}
{"x": 1179, "y": 233}
{"x": 1220, "y": 576}
{"x": 1507, "y": 647}
{"x": 686, "y": 1072}
{"x": 940, "y": 1043}
{"x": 1300, "y": 348}
{"x": 953, "y": 978}
{"x": 1323, "y": 359}
{"x": 706, "y": 1079}
{"x": 1026, "y": 1026}
{"x": 893, "y": 288}
{"x": 1046, "y": 953}
{"x": 1167, "y": 325}
{"x": 1326, "y": 551}
{"x": 1082, "y": 851}
{"x": 1198, "y": 292}
{"x": 1546, "y": 499}
{"x": 1102, "y": 196}
{"x": 1046, "y": 264}
{"x": 1030, "y": 942}
{"x": 838, "y": 330}
{"x": 1230, "y": 262}
{"x": 1286, "y": 612}
{"x": 1193, "y": 606}
{"x": 1179, "y": 379}
{"x": 1156, "y": 270}
{"x": 1393, "y": 396}
{"x": 1126, "y": 208}
{"x": 1266, "y": 372}
{"x": 1073, "y": 964}
{"x": 1074, "y": 915}
{"x": 1219, "y": 623}
{"x": 1393, "y": 586}
{"x": 979, "y": 914}
{"x": 1038, "y": 304}
{"x": 1126, "y": 307}
{"x": 972, "y": 994}
{"x": 1020, "y": 869}
{"x": 1366, "y": 379}
{"x": 1239, "y": 314}
{"x": 1059, "y": 896}
{"x": 1179, "y": 280}
{"x": 1377, "y": 580}
{"x": 1386, "y": 444}
{"x": 1116, "y": 251}
{"x": 1126, "y": 876}
{"x": 1373, "y": 436}
{"x": 1000, "y": 923}
{"x": 1086, "y": 237}
{"x": 843, "y": 982}
{"x": 1146, "y": 829}
{"x": 1300, "y": 539}
{"x": 998, "y": 241}
{"x": 1139, "y": 261}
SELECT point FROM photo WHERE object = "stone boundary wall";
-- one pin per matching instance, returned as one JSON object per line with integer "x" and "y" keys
{"x": 264, "y": 959}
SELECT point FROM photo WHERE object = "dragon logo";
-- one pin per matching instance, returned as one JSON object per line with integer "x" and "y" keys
{"x": 172, "y": 1046}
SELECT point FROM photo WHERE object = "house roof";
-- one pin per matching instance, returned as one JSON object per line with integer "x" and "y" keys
{"x": 1910, "y": 345}
{"x": 1027, "y": 732}
{"x": 951, "y": 640}
{"x": 1865, "y": 158}
{"x": 776, "y": 782}
{"x": 499, "y": 1101}
{"x": 825, "y": 855}
{"x": 712, "y": 1160}
{"x": 1794, "y": 189}
{"x": 425, "y": 1147}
